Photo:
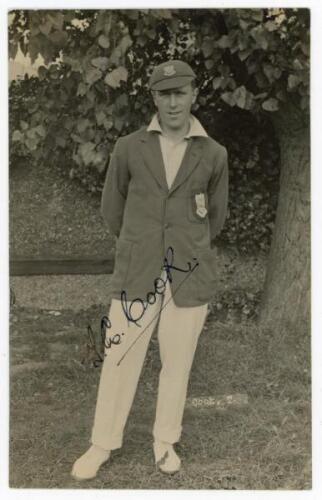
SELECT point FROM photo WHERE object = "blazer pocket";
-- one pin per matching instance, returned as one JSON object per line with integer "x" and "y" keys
{"x": 198, "y": 206}
{"x": 123, "y": 253}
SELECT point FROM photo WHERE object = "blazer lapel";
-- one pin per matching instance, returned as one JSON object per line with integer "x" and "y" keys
{"x": 152, "y": 155}
{"x": 189, "y": 162}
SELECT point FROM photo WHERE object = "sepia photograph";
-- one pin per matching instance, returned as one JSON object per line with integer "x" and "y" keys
{"x": 159, "y": 214}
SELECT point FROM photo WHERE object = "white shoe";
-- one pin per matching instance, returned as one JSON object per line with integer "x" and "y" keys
{"x": 86, "y": 467}
{"x": 166, "y": 458}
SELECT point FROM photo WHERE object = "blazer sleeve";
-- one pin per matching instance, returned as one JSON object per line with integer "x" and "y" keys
{"x": 115, "y": 188}
{"x": 218, "y": 195}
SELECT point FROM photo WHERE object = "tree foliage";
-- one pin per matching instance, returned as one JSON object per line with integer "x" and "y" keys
{"x": 93, "y": 87}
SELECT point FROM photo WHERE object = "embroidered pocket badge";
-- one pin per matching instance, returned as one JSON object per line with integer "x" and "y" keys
{"x": 201, "y": 204}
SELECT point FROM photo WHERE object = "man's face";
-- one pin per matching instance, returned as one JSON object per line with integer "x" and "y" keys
{"x": 174, "y": 106}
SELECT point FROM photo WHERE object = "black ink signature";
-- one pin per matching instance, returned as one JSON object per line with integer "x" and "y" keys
{"x": 12, "y": 297}
{"x": 151, "y": 296}
{"x": 159, "y": 288}
{"x": 167, "y": 266}
{"x": 107, "y": 342}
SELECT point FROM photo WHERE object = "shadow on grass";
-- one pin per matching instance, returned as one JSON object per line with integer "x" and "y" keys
{"x": 263, "y": 445}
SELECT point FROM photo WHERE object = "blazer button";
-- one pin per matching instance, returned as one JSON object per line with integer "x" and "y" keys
{"x": 166, "y": 225}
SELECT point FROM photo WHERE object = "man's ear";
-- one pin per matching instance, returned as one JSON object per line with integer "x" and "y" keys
{"x": 194, "y": 98}
{"x": 194, "y": 95}
{"x": 154, "y": 97}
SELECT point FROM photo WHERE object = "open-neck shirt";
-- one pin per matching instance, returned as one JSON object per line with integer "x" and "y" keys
{"x": 173, "y": 150}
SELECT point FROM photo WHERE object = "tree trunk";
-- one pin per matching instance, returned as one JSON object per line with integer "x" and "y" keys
{"x": 286, "y": 297}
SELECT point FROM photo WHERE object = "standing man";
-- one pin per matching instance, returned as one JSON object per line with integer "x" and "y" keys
{"x": 165, "y": 199}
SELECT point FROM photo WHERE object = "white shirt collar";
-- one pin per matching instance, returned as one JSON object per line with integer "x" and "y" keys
{"x": 196, "y": 129}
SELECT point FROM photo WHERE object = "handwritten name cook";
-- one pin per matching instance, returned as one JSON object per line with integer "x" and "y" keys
{"x": 127, "y": 306}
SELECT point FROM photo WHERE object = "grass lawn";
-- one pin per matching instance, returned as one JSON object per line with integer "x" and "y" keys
{"x": 262, "y": 445}
{"x": 265, "y": 444}
{"x": 51, "y": 216}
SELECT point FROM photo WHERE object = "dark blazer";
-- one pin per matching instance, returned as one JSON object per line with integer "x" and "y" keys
{"x": 149, "y": 219}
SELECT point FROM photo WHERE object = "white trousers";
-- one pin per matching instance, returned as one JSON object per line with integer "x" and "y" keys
{"x": 178, "y": 332}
